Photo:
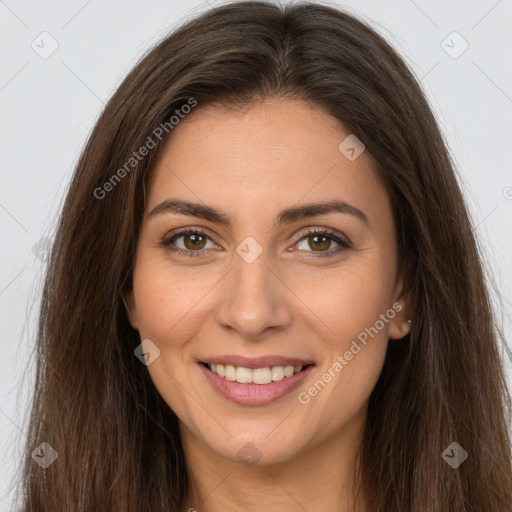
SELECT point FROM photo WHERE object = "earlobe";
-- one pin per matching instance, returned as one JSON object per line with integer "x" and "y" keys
{"x": 129, "y": 304}
{"x": 401, "y": 324}
{"x": 399, "y": 327}
{"x": 406, "y": 326}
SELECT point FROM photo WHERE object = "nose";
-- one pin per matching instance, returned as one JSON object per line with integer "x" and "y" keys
{"x": 253, "y": 299}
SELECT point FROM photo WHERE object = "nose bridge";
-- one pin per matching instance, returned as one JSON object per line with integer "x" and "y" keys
{"x": 251, "y": 278}
{"x": 251, "y": 300}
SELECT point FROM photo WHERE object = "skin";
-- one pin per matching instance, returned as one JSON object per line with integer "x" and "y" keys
{"x": 278, "y": 154}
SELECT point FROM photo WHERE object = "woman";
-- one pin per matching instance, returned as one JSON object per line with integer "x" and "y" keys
{"x": 265, "y": 292}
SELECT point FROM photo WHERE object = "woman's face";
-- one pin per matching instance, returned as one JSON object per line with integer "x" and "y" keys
{"x": 272, "y": 277}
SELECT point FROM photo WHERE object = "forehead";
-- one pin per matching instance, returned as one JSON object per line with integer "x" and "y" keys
{"x": 268, "y": 157}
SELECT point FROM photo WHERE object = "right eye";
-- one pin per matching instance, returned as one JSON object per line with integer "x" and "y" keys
{"x": 192, "y": 245}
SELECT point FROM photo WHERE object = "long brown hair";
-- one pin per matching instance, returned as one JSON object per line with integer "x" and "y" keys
{"x": 117, "y": 441}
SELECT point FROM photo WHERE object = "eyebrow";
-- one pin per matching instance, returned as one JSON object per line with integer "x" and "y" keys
{"x": 286, "y": 216}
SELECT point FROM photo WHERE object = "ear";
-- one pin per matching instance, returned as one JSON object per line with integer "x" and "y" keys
{"x": 131, "y": 310}
{"x": 400, "y": 324}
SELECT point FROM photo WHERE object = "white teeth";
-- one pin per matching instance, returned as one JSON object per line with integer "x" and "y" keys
{"x": 288, "y": 371}
{"x": 257, "y": 375}
{"x": 243, "y": 375}
{"x": 261, "y": 376}
{"x": 277, "y": 372}
{"x": 230, "y": 373}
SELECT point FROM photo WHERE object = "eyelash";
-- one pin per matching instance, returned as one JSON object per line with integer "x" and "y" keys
{"x": 343, "y": 243}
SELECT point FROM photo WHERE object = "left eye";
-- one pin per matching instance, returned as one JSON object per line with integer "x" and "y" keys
{"x": 193, "y": 242}
{"x": 319, "y": 243}
{"x": 320, "y": 240}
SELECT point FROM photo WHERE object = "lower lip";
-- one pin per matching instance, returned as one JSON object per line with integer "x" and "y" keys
{"x": 255, "y": 394}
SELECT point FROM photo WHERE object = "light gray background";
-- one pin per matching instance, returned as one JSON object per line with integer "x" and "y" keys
{"x": 48, "y": 107}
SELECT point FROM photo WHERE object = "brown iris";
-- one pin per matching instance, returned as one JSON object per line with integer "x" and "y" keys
{"x": 195, "y": 241}
{"x": 315, "y": 245}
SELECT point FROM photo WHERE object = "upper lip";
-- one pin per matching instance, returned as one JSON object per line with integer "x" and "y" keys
{"x": 256, "y": 362}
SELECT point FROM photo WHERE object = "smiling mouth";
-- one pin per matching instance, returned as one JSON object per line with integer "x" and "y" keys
{"x": 264, "y": 375}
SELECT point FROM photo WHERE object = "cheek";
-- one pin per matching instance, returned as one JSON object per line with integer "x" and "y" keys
{"x": 169, "y": 310}
{"x": 354, "y": 348}
{"x": 167, "y": 300}
{"x": 350, "y": 303}
{"x": 348, "y": 300}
